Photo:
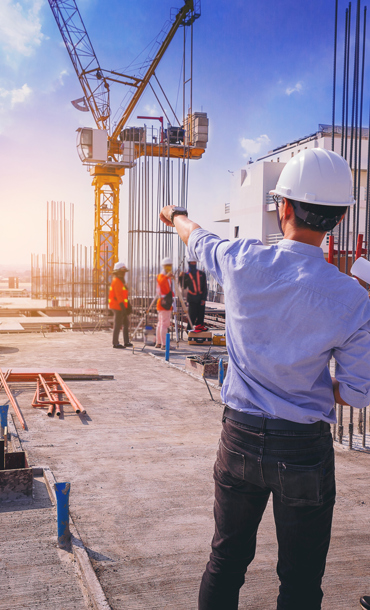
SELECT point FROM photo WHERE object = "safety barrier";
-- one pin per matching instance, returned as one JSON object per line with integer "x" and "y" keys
{"x": 351, "y": 428}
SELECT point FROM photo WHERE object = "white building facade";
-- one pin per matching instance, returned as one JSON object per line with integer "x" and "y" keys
{"x": 251, "y": 213}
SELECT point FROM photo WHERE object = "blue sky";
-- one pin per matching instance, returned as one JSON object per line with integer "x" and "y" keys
{"x": 262, "y": 72}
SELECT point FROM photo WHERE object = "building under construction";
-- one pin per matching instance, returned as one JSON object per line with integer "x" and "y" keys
{"x": 129, "y": 437}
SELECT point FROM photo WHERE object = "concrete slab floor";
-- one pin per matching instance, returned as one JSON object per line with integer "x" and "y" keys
{"x": 34, "y": 572}
{"x": 140, "y": 466}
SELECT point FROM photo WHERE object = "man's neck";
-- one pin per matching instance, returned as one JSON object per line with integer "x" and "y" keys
{"x": 305, "y": 236}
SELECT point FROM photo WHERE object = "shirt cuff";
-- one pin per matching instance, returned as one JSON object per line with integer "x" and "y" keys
{"x": 353, "y": 397}
{"x": 192, "y": 242}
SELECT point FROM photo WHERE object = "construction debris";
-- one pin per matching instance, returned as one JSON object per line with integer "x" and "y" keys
{"x": 205, "y": 366}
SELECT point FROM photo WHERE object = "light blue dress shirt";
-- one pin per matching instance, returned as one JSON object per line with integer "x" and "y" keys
{"x": 288, "y": 312}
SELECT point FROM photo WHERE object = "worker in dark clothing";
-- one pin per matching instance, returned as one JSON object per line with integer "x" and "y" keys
{"x": 196, "y": 283}
{"x": 118, "y": 302}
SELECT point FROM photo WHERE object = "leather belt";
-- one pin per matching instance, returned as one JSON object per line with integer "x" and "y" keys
{"x": 262, "y": 423}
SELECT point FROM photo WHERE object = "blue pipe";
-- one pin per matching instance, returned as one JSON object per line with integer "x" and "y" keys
{"x": 4, "y": 415}
{"x": 168, "y": 342}
{"x": 62, "y": 493}
{"x": 220, "y": 372}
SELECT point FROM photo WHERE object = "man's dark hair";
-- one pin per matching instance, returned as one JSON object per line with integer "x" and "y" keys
{"x": 319, "y": 218}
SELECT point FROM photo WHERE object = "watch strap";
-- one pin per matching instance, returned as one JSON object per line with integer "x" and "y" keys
{"x": 178, "y": 211}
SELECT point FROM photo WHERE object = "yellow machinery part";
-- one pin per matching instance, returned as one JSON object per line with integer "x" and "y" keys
{"x": 106, "y": 184}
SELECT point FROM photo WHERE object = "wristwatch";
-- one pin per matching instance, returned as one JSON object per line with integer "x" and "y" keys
{"x": 178, "y": 211}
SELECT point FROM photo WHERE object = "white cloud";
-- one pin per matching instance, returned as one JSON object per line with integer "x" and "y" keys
{"x": 61, "y": 76}
{"x": 253, "y": 147}
{"x": 296, "y": 89}
{"x": 20, "y": 26}
{"x": 14, "y": 96}
{"x": 151, "y": 110}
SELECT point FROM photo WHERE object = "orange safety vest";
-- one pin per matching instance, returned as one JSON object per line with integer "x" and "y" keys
{"x": 118, "y": 294}
{"x": 164, "y": 287}
{"x": 196, "y": 285}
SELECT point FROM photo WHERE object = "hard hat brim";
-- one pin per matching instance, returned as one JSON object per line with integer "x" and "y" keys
{"x": 308, "y": 199}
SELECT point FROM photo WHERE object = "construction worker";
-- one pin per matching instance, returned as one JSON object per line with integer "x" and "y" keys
{"x": 195, "y": 282}
{"x": 164, "y": 302}
{"x": 118, "y": 302}
{"x": 288, "y": 313}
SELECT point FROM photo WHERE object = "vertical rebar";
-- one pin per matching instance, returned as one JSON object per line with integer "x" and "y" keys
{"x": 334, "y": 69}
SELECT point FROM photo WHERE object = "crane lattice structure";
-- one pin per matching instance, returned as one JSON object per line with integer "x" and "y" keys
{"x": 120, "y": 147}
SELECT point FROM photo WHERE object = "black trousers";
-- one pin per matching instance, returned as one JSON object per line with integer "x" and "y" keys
{"x": 196, "y": 313}
{"x": 297, "y": 468}
{"x": 120, "y": 319}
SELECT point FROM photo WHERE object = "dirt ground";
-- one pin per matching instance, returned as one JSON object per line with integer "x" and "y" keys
{"x": 140, "y": 467}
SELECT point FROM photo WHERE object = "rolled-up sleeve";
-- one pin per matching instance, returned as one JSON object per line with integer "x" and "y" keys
{"x": 353, "y": 368}
{"x": 209, "y": 250}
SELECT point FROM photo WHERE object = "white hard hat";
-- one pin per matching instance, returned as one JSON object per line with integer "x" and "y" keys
{"x": 361, "y": 269}
{"x": 316, "y": 176}
{"x": 120, "y": 266}
{"x": 166, "y": 261}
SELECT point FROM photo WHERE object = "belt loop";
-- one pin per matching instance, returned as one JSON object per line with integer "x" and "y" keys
{"x": 263, "y": 431}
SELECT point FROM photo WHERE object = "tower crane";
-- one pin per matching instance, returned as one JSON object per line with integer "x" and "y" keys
{"x": 110, "y": 151}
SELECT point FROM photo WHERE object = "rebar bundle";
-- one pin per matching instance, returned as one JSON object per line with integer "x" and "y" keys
{"x": 154, "y": 182}
{"x": 347, "y": 243}
{"x": 65, "y": 275}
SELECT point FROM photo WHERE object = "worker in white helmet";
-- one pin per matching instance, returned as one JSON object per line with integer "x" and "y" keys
{"x": 118, "y": 302}
{"x": 288, "y": 312}
{"x": 164, "y": 302}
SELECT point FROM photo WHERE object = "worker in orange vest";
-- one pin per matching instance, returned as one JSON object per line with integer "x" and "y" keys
{"x": 118, "y": 302}
{"x": 164, "y": 302}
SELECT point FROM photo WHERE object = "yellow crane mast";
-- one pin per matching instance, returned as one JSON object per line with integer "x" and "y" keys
{"x": 109, "y": 153}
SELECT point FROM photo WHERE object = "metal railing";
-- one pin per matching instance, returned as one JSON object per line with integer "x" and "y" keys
{"x": 347, "y": 431}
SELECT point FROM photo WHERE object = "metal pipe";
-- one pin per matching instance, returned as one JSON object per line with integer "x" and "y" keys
{"x": 344, "y": 84}
{"x": 71, "y": 397}
{"x": 361, "y": 113}
{"x": 12, "y": 399}
{"x": 220, "y": 371}
{"x": 334, "y": 67}
{"x": 331, "y": 249}
{"x": 168, "y": 344}
{"x": 62, "y": 491}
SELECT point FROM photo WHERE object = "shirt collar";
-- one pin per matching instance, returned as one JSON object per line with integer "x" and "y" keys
{"x": 301, "y": 248}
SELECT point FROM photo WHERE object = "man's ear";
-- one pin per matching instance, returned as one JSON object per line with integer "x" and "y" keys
{"x": 288, "y": 210}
